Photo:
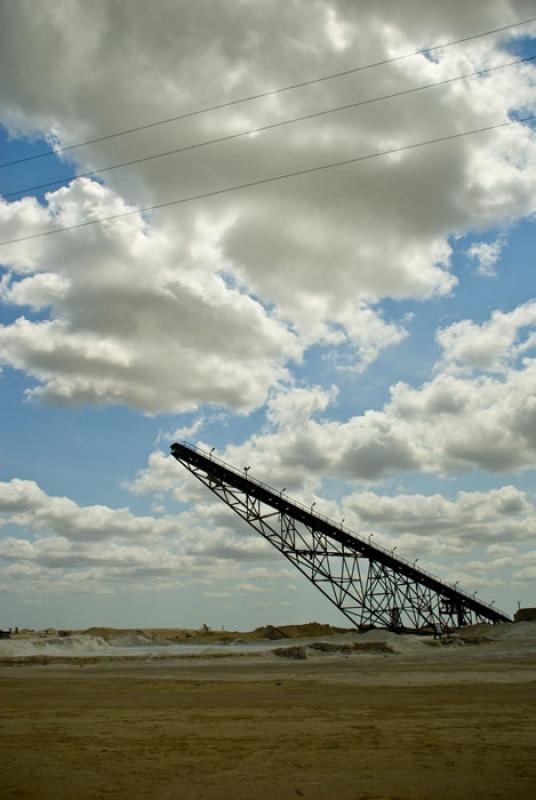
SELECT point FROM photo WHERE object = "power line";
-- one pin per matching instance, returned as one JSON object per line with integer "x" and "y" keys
{"x": 271, "y": 179}
{"x": 270, "y": 126}
{"x": 269, "y": 93}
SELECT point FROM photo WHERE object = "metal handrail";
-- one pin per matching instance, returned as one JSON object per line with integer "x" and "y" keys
{"x": 375, "y": 546}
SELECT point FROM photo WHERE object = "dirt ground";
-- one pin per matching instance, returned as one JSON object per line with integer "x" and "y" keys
{"x": 341, "y": 728}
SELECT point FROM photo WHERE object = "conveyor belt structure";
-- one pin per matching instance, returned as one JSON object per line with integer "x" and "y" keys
{"x": 366, "y": 582}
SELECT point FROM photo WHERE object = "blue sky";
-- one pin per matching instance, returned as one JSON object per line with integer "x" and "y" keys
{"x": 366, "y": 336}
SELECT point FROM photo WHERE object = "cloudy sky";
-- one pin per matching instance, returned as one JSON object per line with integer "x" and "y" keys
{"x": 362, "y": 334}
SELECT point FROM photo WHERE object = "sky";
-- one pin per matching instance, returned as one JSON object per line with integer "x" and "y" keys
{"x": 363, "y": 335}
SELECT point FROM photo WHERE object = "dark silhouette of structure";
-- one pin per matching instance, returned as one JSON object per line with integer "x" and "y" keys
{"x": 366, "y": 582}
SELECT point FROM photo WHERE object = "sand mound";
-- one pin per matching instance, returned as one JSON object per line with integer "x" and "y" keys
{"x": 296, "y": 652}
{"x": 519, "y": 631}
{"x": 373, "y": 647}
{"x": 306, "y": 631}
{"x": 329, "y": 647}
{"x": 525, "y": 615}
{"x": 132, "y": 640}
{"x": 379, "y": 635}
{"x": 137, "y": 636}
{"x": 71, "y": 646}
{"x": 270, "y": 632}
{"x": 354, "y": 647}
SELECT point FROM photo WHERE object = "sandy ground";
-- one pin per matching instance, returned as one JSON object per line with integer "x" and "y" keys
{"x": 420, "y": 722}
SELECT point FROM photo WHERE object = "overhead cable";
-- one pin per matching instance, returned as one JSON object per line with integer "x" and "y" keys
{"x": 271, "y": 92}
{"x": 270, "y": 126}
{"x": 270, "y": 179}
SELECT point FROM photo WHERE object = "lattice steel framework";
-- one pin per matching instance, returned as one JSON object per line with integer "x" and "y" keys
{"x": 366, "y": 582}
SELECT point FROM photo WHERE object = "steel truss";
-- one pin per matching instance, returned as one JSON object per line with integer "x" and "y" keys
{"x": 367, "y": 583}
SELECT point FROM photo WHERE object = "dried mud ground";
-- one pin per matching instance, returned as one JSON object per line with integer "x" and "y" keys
{"x": 454, "y": 725}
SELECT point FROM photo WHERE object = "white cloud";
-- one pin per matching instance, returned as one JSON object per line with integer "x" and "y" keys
{"x": 37, "y": 292}
{"x": 249, "y": 587}
{"x": 433, "y": 524}
{"x": 527, "y": 572}
{"x": 298, "y": 404}
{"x": 454, "y": 423}
{"x": 187, "y": 432}
{"x": 486, "y": 254}
{"x": 24, "y": 504}
{"x": 449, "y": 425}
{"x": 134, "y": 321}
{"x": 210, "y": 302}
{"x": 443, "y": 533}
{"x": 493, "y": 344}
{"x": 53, "y": 543}
{"x": 97, "y": 548}
{"x": 501, "y": 550}
{"x": 161, "y": 474}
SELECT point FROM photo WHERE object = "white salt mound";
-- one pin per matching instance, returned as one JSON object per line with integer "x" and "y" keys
{"x": 518, "y": 631}
{"x": 61, "y": 646}
{"x": 133, "y": 640}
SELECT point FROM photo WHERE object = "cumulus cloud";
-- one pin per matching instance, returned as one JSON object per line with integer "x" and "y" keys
{"x": 486, "y": 254}
{"x": 210, "y": 303}
{"x": 298, "y": 404}
{"x": 52, "y": 542}
{"x": 461, "y": 420}
{"x": 448, "y": 535}
{"x": 135, "y": 319}
{"x": 526, "y": 573}
{"x": 450, "y": 425}
{"x": 497, "y": 518}
{"x": 465, "y": 418}
{"x": 434, "y": 524}
{"x": 24, "y": 504}
{"x": 492, "y": 345}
